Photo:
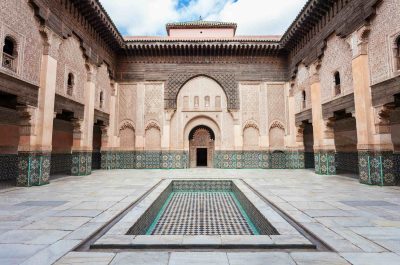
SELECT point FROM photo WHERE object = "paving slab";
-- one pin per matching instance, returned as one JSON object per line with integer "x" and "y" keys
{"x": 86, "y": 258}
{"x": 318, "y": 258}
{"x": 372, "y": 258}
{"x": 259, "y": 258}
{"x": 198, "y": 258}
{"x": 140, "y": 258}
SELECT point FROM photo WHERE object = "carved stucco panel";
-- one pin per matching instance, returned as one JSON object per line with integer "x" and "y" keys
{"x": 177, "y": 80}
{"x": 384, "y": 28}
{"x": 71, "y": 60}
{"x": 337, "y": 58}
{"x": 153, "y": 104}
{"x": 127, "y": 101}
{"x": 25, "y": 31}
{"x": 103, "y": 84}
{"x": 276, "y": 103}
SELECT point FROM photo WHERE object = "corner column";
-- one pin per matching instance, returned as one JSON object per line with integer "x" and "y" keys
{"x": 375, "y": 147}
{"x": 324, "y": 144}
{"x": 109, "y": 134}
{"x": 35, "y": 145}
{"x": 295, "y": 140}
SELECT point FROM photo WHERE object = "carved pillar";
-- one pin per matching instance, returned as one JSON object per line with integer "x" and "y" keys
{"x": 237, "y": 129}
{"x": 37, "y": 124}
{"x": 81, "y": 158}
{"x": 33, "y": 163}
{"x": 109, "y": 137}
{"x": 324, "y": 146}
{"x": 375, "y": 147}
{"x": 165, "y": 141}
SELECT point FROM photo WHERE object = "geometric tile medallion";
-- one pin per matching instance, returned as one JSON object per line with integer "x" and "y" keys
{"x": 202, "y": 213}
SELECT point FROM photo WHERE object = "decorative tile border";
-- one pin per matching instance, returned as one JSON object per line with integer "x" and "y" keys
{"x": 325, "y": 163}
{"x": 259, "y": 159}
{"x": 378, "y": 168}
{"x": 9, "y": 166}
{"x": 346, "y": 161}
{"x": 60, "y": 164}
{"x": 96, "y": 160}
{"x": 144, "y": 160}
{"x": 81, "y": 163}
{"x": 33, "y": 168}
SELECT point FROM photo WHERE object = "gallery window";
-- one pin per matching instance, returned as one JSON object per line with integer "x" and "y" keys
{"x": 9, "y": 54}
{"x": 196, "y": 101}
{"x": 207, "y": 101}
{"x": 338, "y": 89}
{"x": 101, "y": 99}
{"x": 303, "y": 99}
{"x": 70, "y": 84}
{"x": 218, "y": 102}
{"x": 398, "y": 53}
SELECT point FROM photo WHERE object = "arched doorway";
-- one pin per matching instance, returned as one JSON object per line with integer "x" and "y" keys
{"x": 201, "y": 146}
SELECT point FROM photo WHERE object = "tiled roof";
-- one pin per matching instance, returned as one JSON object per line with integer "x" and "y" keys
{"x": 267, "y": 38}
{"x": 202, "y": 23}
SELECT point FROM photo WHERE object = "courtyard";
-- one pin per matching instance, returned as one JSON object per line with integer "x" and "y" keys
{"x": 359, "y": 224}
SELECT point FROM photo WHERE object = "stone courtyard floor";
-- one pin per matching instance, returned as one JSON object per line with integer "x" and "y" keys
{"x": 43, "y": 225}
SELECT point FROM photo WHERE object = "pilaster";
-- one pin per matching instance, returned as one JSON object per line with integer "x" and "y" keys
{"x": 324, "y": 144}
{"x": 36, "y": 124}
{"x": 375, "y": 147}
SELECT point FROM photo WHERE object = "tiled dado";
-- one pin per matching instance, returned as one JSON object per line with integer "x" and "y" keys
{"x": 81, "y": 163}
{"x": 60, "y": 163}
{"x": 33, "y": 168}
{"x": 379, "y": 168}
{"x": 325, "y": 163}
{"x": 144, "y": 160}
{"x": 9, "y": 166}
{"x": 259, "y": 159}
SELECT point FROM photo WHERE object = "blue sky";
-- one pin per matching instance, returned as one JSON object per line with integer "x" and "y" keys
{"x": 254, "y": 17}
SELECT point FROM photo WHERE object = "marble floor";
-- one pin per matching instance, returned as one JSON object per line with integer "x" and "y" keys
{"x": 43, "y": 225}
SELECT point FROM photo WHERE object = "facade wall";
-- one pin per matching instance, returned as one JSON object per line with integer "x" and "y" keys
{"x": 202, "y": 101}
{"x": 385, "y": 28}
{"x": 24, "y": 29}
{"x": 71, "y": 61}
{"x": 337, "y": 58}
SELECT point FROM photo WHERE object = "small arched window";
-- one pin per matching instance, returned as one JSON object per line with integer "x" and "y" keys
{"x": 207, "y": 101}
{"x": 196, "y": 102}
{"x": 70, "y": 84}
{"x": 398, "y": 53}
{"x": 101, "y": 99}
{"x": 337, "y": 80}
{"x": 304, "y": 99}
{"x": 9, "y": 54}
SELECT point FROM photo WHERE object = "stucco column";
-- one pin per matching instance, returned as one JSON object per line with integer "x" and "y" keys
{"x": 83, "y": 129}
{"x": 294, "y": 140}
{"x": 139, "y": 137}
{"x": 375, "y": 146}
{"x": 166, "y": 136}
{"x": 237, "y": 130}
{"x": 88, "y": 120}
{"x": 324, "y": 146}
{"x": 109, "y": 133}
{"x": 35, "y": 146}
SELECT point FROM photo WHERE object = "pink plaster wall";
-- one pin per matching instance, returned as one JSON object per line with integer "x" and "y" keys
{"x": 201, "y": 33}
{"x": 9, "y": 139}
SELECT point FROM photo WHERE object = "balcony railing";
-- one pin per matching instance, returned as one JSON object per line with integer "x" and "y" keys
{"x": 9, "y": 62}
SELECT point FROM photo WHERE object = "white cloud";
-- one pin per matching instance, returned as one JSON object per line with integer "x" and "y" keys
{"x": 254, "y": 17}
